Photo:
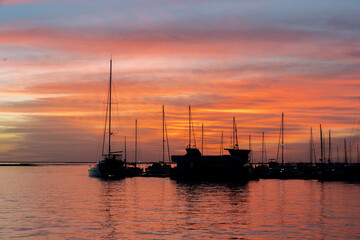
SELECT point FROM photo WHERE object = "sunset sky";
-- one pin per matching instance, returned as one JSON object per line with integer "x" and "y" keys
{"x": 248, "y": 59}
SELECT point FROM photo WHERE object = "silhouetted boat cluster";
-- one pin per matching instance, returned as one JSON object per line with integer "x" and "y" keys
{"x": 194, "y": 165}
{"x": 301, "y": 170}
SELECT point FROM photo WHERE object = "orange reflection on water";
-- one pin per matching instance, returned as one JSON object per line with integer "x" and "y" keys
{"x": 63, "y": 202}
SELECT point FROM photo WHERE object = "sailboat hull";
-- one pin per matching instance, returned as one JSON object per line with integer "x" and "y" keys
{"x": 95, "y": 172}
{"x": 108, "y": 169}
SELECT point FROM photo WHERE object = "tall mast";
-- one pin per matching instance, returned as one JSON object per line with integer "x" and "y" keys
{"x": 163, "y": 133}
{"x": 329, "y": 145}
{"x": 321, "y": 145}
{"x": 135, "y": 141}
{"x": 110, "y": 108}
{"x": 282, "y": 138}
{"x": 202, "y": 139}
{"x": 189, "y": 126}
{"x": 235, "y": 138}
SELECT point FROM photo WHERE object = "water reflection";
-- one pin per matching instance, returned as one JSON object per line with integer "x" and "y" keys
{"x": 109, "y": 201}
{"x": 208, "y": 208}
{"x": 63, "y": 203}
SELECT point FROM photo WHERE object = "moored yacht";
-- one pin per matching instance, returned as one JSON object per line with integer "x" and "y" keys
{"x": 161, "y": 169}
{"x": 112, "y": 165}
{"x": 195, "y": 165}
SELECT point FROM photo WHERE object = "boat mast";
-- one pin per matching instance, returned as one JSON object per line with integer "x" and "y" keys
{"x": 235, "y": 138}
{"x": 321, "y": 145}
{"x": 163, "y": 133}
{"x": 135, "y": 141}
{"x": 282, "y": 138}
{"x": 329, "y": 145}
{"x": 110, "y": 108}
{"x": 189, "y": 126}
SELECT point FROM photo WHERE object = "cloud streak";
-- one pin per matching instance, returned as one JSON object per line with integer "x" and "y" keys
{"x": 251, "y": 60}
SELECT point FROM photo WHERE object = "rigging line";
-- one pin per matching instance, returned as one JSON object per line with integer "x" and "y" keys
{"x": 236, "y": 137}
{"x": 106, "y": 119}
{"x": 167, "y": 140}
{"x": 99, "y": 138}
{"x": 193, "y": 130}
{"x": 278, "y": 150}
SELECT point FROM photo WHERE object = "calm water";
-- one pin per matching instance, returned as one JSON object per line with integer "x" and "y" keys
{"x": 62, "y": 202}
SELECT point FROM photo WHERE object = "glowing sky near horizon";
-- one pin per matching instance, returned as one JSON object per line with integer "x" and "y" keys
{"x": 248, "y": 59}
